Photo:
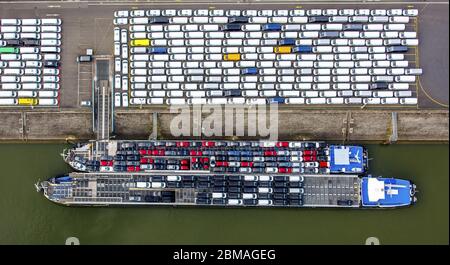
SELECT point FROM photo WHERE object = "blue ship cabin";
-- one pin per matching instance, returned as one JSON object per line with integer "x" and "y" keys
{"x": 347, "y": 159}
{"x": 386, "y": 192}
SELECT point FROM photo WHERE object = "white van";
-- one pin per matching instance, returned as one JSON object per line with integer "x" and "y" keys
{"x": 51, "y": 56}
{"x": 30, "y": 79}
{"x": 32, "y": 71}
{"x": 8, "y": 101}
{"x": 29, "y": 50}
{"x": 51, "y": 35}
{"x": 31, "y": 22}
{"x": 32, "y": 86}
{"x": 48, "y": 94}
{"x": 9, "y": 57}
{"x": 32, "y": 57}
{"x": 30, "y": 36}
{"x": 48, "y": 102}
{"x": 397, "y": 27}
{"x": 51, "y": 21}
{"x": 8, "y": 94}
{"x": 13, "y": 22}
{"x": 50, "y": 49}
{"x": 12, "y": 86}
{"x": 139, "y": 20}
{"x": 30, "y": 29}
{"x": 10, "y": 29}
{"x": 139, "y": 71}
{"x": 54, "y": 86}
{"x": 12, "y": 71}
{"x": 405, "y": 78}
{"x": 27, "y": 93}
{"x": 50, "y": 42}
{"x": 9, "y": 79}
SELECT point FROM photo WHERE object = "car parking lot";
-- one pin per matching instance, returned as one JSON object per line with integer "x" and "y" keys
{"x": 30, "y": 62}
{"x": 315, "y": 56}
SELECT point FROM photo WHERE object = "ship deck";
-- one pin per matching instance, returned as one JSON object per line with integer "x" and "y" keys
{"x": 119, "y": 189}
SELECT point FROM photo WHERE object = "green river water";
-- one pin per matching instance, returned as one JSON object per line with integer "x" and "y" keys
{"x": 26, "y": 217}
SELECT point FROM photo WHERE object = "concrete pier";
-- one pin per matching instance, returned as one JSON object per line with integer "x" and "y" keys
{"x": 293, "y": 124}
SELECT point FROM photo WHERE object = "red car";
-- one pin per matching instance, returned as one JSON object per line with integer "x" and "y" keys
{"x": 183, "y": 144}
{"x": 184, "y": 162}
{"x": 246, "y": 164}
{"x": 282, "y": 144}
{"x": 208, "y": 144}
{"x": 270, "y": 153}
{"x": 194, "y": 160}
{"x": 195, "y": 153}
{"x": 324, "y": 164}
{"x": 205, "y": 167}
{"x": 184, "y": 168}
{"x": 309, "y": 158}
{"x": 221, "y": 163}
{"x": 106, "y": 163}
{"x": 133, "y": 169}
{"x": 284, "y": 170}
{"x": 309, "y": 153}
{"x": 145, "y": 161}
{"x": 204, "y": 159}
{"x": 142, "y": 152}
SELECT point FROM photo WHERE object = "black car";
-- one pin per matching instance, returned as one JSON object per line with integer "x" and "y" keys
{"x": 187, "y": 184}
{"x": 232, "y": 93}
{"x": 234, "y": 189}
{"x": 309, "y": 170}
{"x": 250, "y": 189}
{"x": 203, "y": 201}
{"x": 220, "y": 153}
{"x": 152, "y": 198}
{"x": 258, "y": 153}
{"x": 280, "y": 178}
{"x": 173, "y": 184}
{"x": 158, "y": 20}
{"x": 218, "y": 169}
{"x": 231, "y": 27}
{"x": 220, "y": 158}
{"x": 280, "y": 202}
{"x": 238, "y": 19}
{"x": 183, "y": 152}
{"x": 31, "y": 42}
{"x": 168, "y": 199}
{"x": 120, "y": 163}
{"x": 250, "y": 183}
{"x": 234, "y": 183}
{"x": 283, "y": 159}
{"x": 295, "y": 196}
{"x": 219, "y": 201}
{"x": 258, "y": 170}
{"x": 13, "y": 42}
{"x": 270, "y": 159}
{"x": 233, "y": 169}
{"x": 279, "y": 184}
{"x": 379, "y": 85}
{"x": 246, "y": 158}
{"x": 234, "y": 178}
{"x": 160, "y": 161}
{"x": 317, "y": 19}
{"x": 188, "y": 178}
{"x": 132, "y": 163}
{"x": 208, "y": 152}
{"x": 219, "y": 178}
{"x": 258, "y": 164}
{"x": 265, "y": 196}
{"x": 133, "y": 158}
{"x": 203, "y": 184}
{"x": 345, "y": 202}
{"x": 119, "y": 158}
{"x": 158, "y": 178}
{"x": 234, "y": 159}
{"x": 250, "y": 201}
{"x": 234, "y": 195}
{"x": 159, "y": 167}
{"x": 203, "y": 178}
{"x": 203, "y": 195}
{"x": 219, "y": 189}
{"x": 279, "y": 196}
{"x": 295, "y": 202}
{"x": 265, "y": 184}
{"x": 280, "y": 190}
{"x": 296, "y": 184}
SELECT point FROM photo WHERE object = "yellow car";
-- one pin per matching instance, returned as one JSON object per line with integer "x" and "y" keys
{"x": 28, "y": 101}
{"x": 140, "y": 42}
{"x": 282, "y": 49}
{"x": 232, "y": 57}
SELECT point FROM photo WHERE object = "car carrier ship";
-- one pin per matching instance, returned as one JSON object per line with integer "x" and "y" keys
{"x": 228, "y": 190}
{"x": 216, "y": 157}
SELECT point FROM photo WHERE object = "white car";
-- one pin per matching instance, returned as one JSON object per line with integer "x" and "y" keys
{"x": 271, "y": 170}
{"x": 124, "y": 99}
{"x": 121, "y": 13}
{"x": 120, "y": 21}
{"x": 117, "y": 99}
{"x": 124, "y": 83}
{"x": 123, "y": 36}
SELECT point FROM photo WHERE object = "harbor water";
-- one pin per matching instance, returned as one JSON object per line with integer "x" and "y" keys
{"x": 27, "y": 217}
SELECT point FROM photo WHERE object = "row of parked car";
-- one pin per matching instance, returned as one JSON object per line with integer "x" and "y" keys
{"x": 243, "y": 57}
{"x": 30, "y": 61}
